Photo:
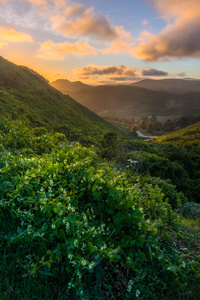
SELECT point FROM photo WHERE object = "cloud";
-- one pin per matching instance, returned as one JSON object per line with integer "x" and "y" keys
{"x": 181, "y": 36}
{"x": 92, "y": 70}
{"x": 181, "y": 74}
{"x": 153, "y": 72}
{"x": 78, "y": 21}
{"x": 123, "y": 43}
{"x": 123, "y": 78}
{"x": 56, "y": 51}
{"x": 8, "y": 34}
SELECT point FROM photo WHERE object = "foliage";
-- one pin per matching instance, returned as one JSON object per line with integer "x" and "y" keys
{"x": 176, "y": 199}
{"x": 191, "y": 209}
{"x": 72, "y": 220}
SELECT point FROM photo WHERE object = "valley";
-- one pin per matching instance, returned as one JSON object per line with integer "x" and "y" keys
{"x": 138, "y": 100}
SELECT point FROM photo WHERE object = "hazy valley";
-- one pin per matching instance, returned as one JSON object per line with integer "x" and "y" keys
{"x": 138, "y": 100}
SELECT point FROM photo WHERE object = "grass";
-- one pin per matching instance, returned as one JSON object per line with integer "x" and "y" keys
{"x": 186, "y": 238}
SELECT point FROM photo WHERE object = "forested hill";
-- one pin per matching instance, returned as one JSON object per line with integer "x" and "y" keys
{"x": 27, "y": 95}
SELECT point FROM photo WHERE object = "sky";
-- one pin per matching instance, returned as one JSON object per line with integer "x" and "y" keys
{"x": 103, "y": 41}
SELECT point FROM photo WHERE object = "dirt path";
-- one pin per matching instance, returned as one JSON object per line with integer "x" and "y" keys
{"x": 145, "y": 136}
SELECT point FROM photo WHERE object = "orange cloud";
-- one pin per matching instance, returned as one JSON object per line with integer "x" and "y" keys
{"x": 8, "y": 34}
{"x": 38, "y": 2}
{"x": 180, "y": 38}
{"x": 78, "y": 21}
{"x": 56, "y": 51}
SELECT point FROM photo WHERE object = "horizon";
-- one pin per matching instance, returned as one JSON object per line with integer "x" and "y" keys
{"x": 99, "y": 43}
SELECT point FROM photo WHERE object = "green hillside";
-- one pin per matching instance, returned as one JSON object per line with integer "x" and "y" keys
{"x": 169, "y": 85}
{"x": 129, "y": 101}
{"x": 26, "y": 95}
{"x": 188, "y": 137}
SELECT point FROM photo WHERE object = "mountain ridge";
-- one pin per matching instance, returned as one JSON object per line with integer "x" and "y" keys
{"x": 173, "y": 85}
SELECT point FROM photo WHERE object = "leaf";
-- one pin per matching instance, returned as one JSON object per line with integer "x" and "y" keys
{"x": 61, "y": 234}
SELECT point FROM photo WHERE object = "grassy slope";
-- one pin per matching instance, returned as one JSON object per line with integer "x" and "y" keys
{"x": 128, "y": 101}
{"x": 24, "y": 95}
{"x": 188, "y": 137}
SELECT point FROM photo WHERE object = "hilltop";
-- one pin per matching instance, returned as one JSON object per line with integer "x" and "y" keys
{"x": 24, "y": 94}
{"x": 65, "y": 86}
{"x": 174, "y": 86}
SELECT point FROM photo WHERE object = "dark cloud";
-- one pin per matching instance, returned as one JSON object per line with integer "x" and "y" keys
{"x": 107, "y": 70}
{"x": 154, "y": 72}
{"x": 123, "y": 78}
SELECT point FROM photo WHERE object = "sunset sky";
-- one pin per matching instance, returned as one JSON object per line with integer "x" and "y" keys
{"x": 98, "y": 41}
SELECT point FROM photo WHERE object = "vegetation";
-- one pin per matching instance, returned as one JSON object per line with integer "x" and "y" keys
{"x": 188, "y": 138}
{"x": 81, "y": 230}
{"x": 118, "y": 219}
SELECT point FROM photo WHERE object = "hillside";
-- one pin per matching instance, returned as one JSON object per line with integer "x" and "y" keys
{"x": 26, "y": 95}
{"x": 129, "y": 101}
{"x": 188, "y": 137}
{"x": 174, "y": 86}
{"x": 65, "y": 86}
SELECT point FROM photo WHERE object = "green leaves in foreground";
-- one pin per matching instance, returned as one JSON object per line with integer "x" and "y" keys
{"x": 72, "y": 215}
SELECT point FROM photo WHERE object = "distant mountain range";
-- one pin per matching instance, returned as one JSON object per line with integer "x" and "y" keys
{"x": 128, "y": 101}
{"x": 24, "y": 94}
{"x": 174, "y": 86}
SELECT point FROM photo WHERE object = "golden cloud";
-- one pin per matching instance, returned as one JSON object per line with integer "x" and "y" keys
{"x": 56, "y": 51}
{"x": 8, "y": 34}
{"x": 78, "y": 21}
{"x": 180, "y": 38}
